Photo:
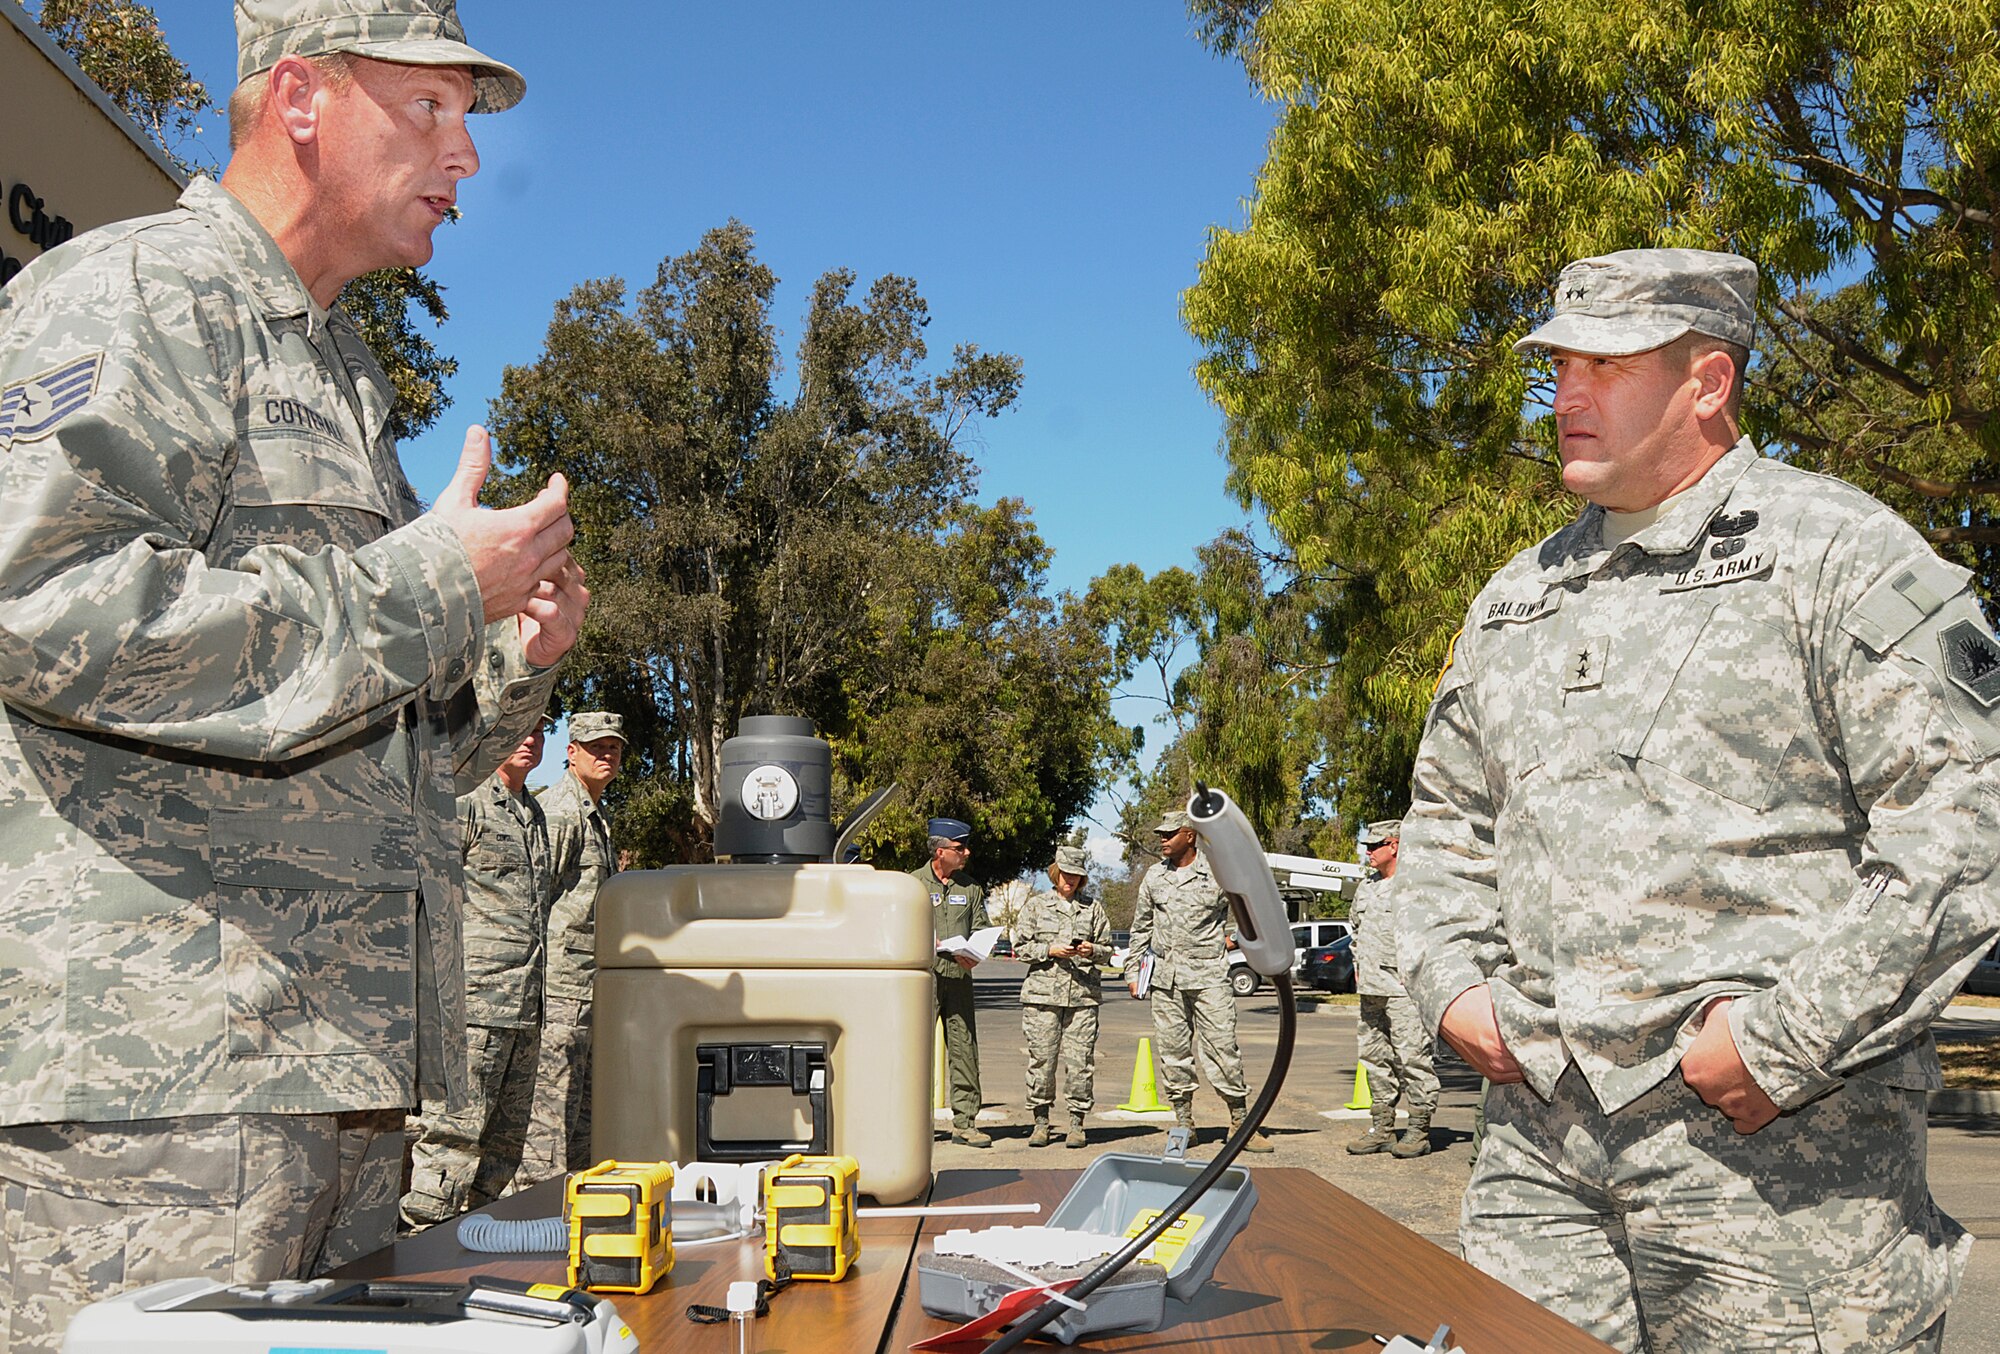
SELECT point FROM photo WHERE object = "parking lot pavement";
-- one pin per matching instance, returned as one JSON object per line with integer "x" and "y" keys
{"x": 1421, "y": 1193}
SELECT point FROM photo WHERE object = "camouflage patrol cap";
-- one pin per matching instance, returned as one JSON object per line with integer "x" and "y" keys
{"x": 1382, "y": 830}
{"x": 407, "y": 32}
{"x": 1639, "y": 299}
{"x": 1171, "y": 823}
{"x": 594, "y": 724}
{"x": 1072, "y": 860}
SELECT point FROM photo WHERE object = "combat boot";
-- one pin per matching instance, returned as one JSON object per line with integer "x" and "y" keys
{"x": 1184, "y": 1116}
{"x": 1415, "y": 1141}
{"x": 970, "y": 1135}
{"x": 1380, "y": 1137}
{"x": 1040, "y": 1137}
{"x": 1075, "y": 1137}
{"x": 1256, "y": 1142}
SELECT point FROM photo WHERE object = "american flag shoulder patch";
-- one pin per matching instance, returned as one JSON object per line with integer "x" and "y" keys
{"x": 32, "y": 407}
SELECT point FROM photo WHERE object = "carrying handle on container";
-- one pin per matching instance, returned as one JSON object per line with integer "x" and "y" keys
{"x": 850, "y": 826}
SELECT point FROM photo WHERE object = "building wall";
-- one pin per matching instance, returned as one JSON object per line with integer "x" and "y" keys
{"x": 68, "y": 159}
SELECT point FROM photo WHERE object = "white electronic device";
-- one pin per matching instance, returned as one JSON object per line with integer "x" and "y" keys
{"x": 481, "y": 1316}
{"x": 1263, "y": 931}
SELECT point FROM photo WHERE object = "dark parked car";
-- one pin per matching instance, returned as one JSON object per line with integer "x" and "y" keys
{"x": 1984, "y": 980}
{"x": 1329, "y": 968}
{"x": 1003, "y": 948}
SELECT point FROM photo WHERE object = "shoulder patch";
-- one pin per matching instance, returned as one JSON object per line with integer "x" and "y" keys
{"x": 1902, "y": 598}
{"x": 32, "y": 407}
{"x": 1972, "y": 660}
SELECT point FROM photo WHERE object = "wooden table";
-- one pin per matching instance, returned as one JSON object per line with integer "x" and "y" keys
{"x": 849, "y": 1315}
{"x": 1316, "y": 1269}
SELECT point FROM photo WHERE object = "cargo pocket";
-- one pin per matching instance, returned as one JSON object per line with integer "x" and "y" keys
{"x": 1730, "y": 712}
{"x": 1897, "y": 1294}
{"x": 317, "y": 917}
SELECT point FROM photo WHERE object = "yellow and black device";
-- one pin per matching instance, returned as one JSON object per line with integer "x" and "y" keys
{"x": 621, "y": 1237}
{"x": 809, "y": 1217}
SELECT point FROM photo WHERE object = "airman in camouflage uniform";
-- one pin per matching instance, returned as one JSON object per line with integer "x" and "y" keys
{"x": 1394, "y": 1042}
{"x": 1061, "y": 934}
{"x": 466, "y": 1155}
{"x": 1180, "y": 917}
{"x": 957, "y": 909}
{"x": 245, "y": 676}
{"x": 581, "y": 859}
{"x": 1703, "y": 836}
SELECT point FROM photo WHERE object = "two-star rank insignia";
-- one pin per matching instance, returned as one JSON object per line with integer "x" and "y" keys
{"x": 1972, "y": 660}
{"x": 1583, "y": 669}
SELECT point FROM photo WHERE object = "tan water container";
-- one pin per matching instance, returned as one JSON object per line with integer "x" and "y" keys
{"x": 777, "y": 956}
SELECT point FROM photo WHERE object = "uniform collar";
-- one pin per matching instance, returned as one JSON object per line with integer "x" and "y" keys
{"x": 1578, "y": 549}
{"x": 265, "y": 271}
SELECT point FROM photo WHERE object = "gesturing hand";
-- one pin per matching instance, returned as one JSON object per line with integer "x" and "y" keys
{"x": 1470, "y": 1026}
{"x": 520, "y": 556}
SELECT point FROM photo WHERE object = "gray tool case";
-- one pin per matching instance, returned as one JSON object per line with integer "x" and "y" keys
{"x": 1112, "y": 1192}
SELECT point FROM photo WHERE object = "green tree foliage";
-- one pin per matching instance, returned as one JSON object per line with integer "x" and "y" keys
{"x": 1234, "y": 647}
{"x": 753, "y": 551}
{"x": 120, "y": 46}
{"x": 379, "y": 303}
{"x": 1435, "y": 165}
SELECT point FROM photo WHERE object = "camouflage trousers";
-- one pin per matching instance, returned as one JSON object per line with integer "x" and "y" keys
{"x": 91, "y": 1210}
{"x": 1069, "y": 1032}
{"x": 464, "y": 1160}
{"x": 559, "y": 1126}
{"x": 1660, "y": 1228}
{"x": 1191, "y": 1021}
{"x": 1397, "y": 1048}
{"x": 961, "y": 1047}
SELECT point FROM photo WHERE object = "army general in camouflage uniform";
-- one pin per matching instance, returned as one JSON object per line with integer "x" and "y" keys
{"x": 958, "y": 908}
{"x": 1062, "y": 933}
{"x": 581, "y": 859}
{"x": 245, "y": 676}
{"x": 1703, "y": 836}
{"x": 465, "y": 1155}
{"x": 1181, "y": 919}
{"x": 1394, "y": 1042}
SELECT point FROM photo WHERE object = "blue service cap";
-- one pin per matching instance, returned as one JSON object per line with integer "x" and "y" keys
{"x": 950, "y": 829}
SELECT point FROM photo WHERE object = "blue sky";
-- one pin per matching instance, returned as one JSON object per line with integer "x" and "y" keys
{"x": 1046, "y": 173}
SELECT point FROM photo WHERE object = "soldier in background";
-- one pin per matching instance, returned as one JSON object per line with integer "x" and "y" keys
{"x": 1061, "y": 934}
{"x": 1180, "y": 917}
{"x": 245, "y": 676}
{"x": 581, "y": 859}
{"x": 1703, "y": 837}
{"x": 466, "y": 1156}
{"x": 957, "y": 909}
{"x": 1394, "y": 1042}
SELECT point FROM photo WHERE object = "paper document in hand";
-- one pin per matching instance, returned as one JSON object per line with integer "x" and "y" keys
{"x": 977, "y": 946}
{"x": 1142, "y": 981}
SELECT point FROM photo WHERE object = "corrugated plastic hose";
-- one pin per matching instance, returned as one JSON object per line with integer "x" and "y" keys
{"x": 484, "y": 1232}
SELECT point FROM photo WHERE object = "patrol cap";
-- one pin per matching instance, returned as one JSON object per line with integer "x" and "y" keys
{"x": 1639, "y": 299}
{"x": 594, "y": 724}
{"x": 1072, "y": 860}
{"x": 951, "y": 829}
{"x": 407, "y": 32}
{"x": 1170, "y": 824}
{"x": 1382, "y": 830}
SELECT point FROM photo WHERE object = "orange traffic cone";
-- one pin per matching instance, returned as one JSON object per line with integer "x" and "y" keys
{"x": 1145, "y": 1083}
{"x": 1362, "y": 1100}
